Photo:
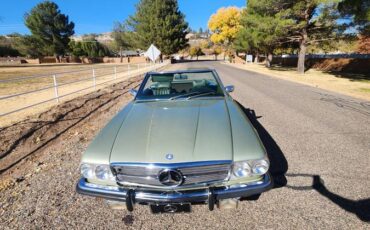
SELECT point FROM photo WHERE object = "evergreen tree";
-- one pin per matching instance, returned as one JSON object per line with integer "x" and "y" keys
{"x": 270, "y": 24}
{"x": 50, "y": 27}
{"x": 122, "y": 37}
{"x": 76, "y": 49}
{"x": 358, "y": 12}
{"x": 7, "y": 48}
{"x": 89, "y": 47}
{"x": 312, "y": 22}
{"x": 157, "y": 22}
{"x": 263, "y": 28}
{"x": 29, "y": 46}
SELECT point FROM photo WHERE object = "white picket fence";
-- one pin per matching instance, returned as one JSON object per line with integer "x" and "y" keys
{"x": 63, "y": 84}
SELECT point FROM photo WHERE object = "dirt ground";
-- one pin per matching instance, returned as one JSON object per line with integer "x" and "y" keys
{"x": 61, "y": 129}
{"x": 7, "y": 72}
{"x": 359, "y": 88}
{"x": 104, "y": 75}
{"x": 21, "y": 139}
{"x": 36, "y": 77}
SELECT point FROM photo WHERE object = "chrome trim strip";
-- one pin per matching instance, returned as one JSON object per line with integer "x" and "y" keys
{"x": 169, "y": 188}
{"x": 156, "y": 197}
{"x": 172, "y": 165}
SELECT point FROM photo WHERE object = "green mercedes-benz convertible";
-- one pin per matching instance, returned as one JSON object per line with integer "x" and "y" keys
{"x": 182, "y": 140}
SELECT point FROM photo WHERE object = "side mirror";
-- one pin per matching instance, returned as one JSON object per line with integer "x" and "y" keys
{"x": 229, "y": 88}
{"x": 133, "y": 92}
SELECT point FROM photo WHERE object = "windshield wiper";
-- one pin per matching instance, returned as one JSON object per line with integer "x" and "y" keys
{"x": 184, "y": 95}
{"x": 201, "y": 94}
{"x": 197, "y": 94}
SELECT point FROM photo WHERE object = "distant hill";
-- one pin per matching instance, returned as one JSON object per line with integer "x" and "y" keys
{"x": 102, "y": 38}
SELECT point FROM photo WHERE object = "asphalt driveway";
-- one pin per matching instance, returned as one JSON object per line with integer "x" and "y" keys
{"x": 318, "y": 143}
{"x": 319, "y": 146}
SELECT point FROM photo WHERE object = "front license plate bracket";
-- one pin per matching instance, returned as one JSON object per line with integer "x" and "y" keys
{"x": 170, "y": 208}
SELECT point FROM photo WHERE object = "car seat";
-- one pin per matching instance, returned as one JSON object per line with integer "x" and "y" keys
{"x": 199, "y": 85}
{"x": 161, "y": 88}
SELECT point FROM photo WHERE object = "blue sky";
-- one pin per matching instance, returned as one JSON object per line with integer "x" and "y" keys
{"x": 96, "y": 16}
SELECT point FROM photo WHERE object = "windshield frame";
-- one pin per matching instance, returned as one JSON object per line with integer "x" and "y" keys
{"x": 148, "y": 75}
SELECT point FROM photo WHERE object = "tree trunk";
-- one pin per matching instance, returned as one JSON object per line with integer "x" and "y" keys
{"x": 57, "y": 60}
{"x": 268, "y": 60}
{"x": 256, "y": 60}
{"x": 302, "y": 52}
{"x": 197, "y": 58}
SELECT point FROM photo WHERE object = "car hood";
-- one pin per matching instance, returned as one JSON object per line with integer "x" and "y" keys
{"x": 189, "y": 130}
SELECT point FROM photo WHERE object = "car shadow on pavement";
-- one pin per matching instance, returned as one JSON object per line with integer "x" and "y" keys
{"x": 278, "y": 162}
{"x": 279, "y": 167}
{"x": 361, "y": 208}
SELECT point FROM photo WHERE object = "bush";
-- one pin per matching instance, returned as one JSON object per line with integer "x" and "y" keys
{"x": 195, "y": 51}
{"x": 6, "y": 51}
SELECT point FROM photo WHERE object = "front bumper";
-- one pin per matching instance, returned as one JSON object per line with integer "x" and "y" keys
{"x": 159, "y": 197}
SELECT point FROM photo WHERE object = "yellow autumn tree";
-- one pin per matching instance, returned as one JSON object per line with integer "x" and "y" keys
{"x": 224, "y": 25}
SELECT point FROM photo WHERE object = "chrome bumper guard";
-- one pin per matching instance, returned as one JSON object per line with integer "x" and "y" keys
{"x": 159, "y": 197}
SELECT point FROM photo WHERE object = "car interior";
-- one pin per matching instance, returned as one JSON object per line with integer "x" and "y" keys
{"x": 179, "y": 83}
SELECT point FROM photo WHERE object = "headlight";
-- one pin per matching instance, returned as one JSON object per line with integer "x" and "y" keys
{"x": 241, "y": 169}
{"x": 250, "y": 168}
{"x": 87, "y": 171}
{"x": 101, "y": 172}
{"x": 260, "y": 167}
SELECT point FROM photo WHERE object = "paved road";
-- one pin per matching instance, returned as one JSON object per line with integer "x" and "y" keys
{"x": 319, "y": 145}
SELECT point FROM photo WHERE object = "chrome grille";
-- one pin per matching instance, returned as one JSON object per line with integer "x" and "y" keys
{"x": 193, "y": 173}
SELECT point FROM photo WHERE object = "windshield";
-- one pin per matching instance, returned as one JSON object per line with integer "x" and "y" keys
{"x": 180, "y": 85}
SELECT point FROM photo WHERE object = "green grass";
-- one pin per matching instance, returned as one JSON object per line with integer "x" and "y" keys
{"x": 363, "y": 80}
{"x": 365, "y": 90}
{"x": 353, "y": 77}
